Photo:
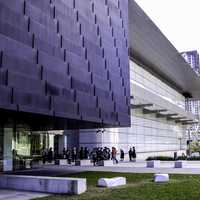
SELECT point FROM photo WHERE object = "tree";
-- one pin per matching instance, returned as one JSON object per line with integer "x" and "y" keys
{"x": 195, "y": 147}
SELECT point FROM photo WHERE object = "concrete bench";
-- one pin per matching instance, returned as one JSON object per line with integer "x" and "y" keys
{"x": 160, "y": 178}
{"x": 180, "y": 164}
{"x": 36, "y": 164}
{"x": 55, "y": 185}
{"x": 83, "y": 163}
{"x": 153, "y": 164}
{"x": 61, "y": 162}
{"x": 105, "y": 163}
{"x": 112, "y": 182}
{"x": 28, "y": 163}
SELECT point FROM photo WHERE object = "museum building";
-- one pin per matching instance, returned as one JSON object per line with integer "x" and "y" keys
{"x": 71, "y": 68}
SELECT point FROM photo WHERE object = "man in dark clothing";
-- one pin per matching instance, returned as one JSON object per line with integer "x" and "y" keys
{"x": 81, "y": 153}
{"x": 134, "y": 154}
{"x": 93, "y": 155}
{"x": 74, "y": 154}
{"x": 64, "y": 152}
{"x": 69, "y": 156}
{"x": 121, "y": 155}
{"x": 50, "y": 155}
{"x": 86, "y": 153}
{"x": 130, "y": 153}
{"x": 44, "y": 155}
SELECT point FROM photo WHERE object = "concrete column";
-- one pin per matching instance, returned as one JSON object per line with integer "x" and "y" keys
{"x": 7, "y": 150}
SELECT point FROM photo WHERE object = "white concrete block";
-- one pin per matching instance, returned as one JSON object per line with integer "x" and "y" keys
{"x": 36, "y": 164}
{"x": 28, "y": 163}
{"x": 180, "y": 164}
{"x": 153, "y": 164}
{"x": 57, "y": 185}
{"x": 105, "y": 163}
{"x": 83, "y": 163}
{"x": 62, "y": 162}
{"x": 159, "y": 178}
{"x": 111, "y": 182}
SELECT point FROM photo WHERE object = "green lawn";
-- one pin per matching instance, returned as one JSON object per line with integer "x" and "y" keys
{"x": 139, "y": 187}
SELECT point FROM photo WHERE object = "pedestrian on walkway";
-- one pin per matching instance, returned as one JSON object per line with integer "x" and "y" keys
{"x": 134, "y": 154}
{"x": 121, "y": 155}
{"x": 114, "y": 155}
{"x": 130, "y": 153}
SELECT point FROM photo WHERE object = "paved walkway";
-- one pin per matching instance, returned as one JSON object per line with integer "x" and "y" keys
{"x": 19, "y": 195}
{"x": 193, "y": 167}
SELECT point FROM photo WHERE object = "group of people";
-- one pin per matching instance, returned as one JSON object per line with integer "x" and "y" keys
{"x": 74, "y": 154}
{"x": 99, "y": 154}
{"x": 47, "y": 155}
{"x": 96, "y": 154}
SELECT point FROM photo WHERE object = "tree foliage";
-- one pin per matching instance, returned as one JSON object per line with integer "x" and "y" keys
{"x": 195, "y": 147}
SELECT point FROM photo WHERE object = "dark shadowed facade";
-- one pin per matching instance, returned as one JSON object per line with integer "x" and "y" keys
{"x": 64, "y": 63}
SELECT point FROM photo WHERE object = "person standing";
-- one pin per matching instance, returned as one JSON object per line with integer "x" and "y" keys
{"x": 134, "y": 154}
{"x": 44, "y": 155}
{"x": 121, "y": 155}
{"x": 50, "y": 155}
{"x": 86, "y": 153}
{"x": 74, "y": 154}
{"x": 114, "y": 155}
{"x": 81, "y": 153}
{"x": 69, "y": 155}
{"x": 130, "y": 153}
{"x": 64, "y": 153}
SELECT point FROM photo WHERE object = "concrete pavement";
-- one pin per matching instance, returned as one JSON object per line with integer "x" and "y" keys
{"x": 19, "y": 195}
{"x": 193, "y": 167}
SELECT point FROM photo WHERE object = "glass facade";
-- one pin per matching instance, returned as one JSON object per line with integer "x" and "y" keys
{"x": 28, "y": 143}
{"x": 28, "y": 146}
{"x": 20, "y": 146}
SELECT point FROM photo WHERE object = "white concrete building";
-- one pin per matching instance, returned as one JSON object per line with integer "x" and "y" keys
{"x": 157, "y": 119}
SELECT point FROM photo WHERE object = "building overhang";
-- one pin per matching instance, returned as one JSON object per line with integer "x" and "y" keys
{"x": 138, "y": 106}
{"x": 150, "y": 103}
{"x": 152, "y": 50}
{"x": 153, "y": 111}
{"x": 175, "y": 118}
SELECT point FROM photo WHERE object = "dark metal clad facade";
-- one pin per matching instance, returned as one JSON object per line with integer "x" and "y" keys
{"x": 65, "y": 59}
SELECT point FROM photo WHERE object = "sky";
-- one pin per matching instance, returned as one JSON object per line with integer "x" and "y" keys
{"x": 179, "y": 20}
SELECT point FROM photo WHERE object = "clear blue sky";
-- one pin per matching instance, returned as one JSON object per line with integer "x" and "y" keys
{"x": 177, "y": 19}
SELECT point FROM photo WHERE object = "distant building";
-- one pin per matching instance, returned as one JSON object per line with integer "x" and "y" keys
{"x": 192, "y": 58}
{"x": 193, "y": 106}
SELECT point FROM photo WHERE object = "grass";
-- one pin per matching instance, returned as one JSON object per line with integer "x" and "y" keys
{"x": 139, "y": 187}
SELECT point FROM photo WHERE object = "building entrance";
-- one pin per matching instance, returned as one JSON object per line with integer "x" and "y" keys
{"x": 28, "y": 147}
{"x": 21, "y": 148}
